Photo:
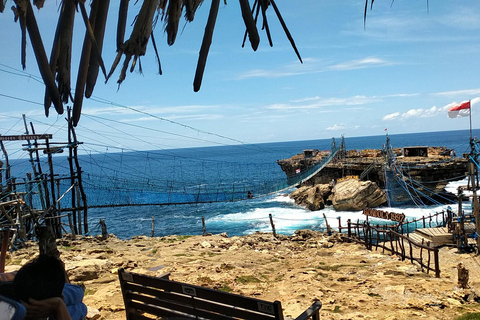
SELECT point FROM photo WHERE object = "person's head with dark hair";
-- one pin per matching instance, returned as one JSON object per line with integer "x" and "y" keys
{"x": 41, "y": 278}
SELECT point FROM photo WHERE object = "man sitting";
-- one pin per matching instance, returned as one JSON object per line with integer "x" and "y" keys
{"x": 41, "y": 287}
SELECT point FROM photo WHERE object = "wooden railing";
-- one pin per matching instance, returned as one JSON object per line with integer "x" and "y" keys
{"x": 397, "y": 243}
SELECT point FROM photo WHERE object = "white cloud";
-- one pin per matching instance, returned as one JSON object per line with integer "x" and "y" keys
{"x": 360, "y": 64}
{"x": 415, "y": 113}
{"x": 463, "y": 93}
{"x": 391, "y": 116}
{"x": 320, "y": 102}
{"x": 311, "y": 66}
{"x": 340, "y": 126}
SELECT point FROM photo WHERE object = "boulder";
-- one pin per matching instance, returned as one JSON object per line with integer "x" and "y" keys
{"x": 354, "y": 195}
{"x": 312, "y": 197}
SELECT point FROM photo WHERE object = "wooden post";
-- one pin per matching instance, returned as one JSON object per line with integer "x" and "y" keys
{"x": 273, "y": 225}
{"x": 5, "y": 244}
{"x": 459, "y": 200}
{"x": 204, "y": 227}
{"x": 437, "y": 263}
{"x": 339, "y": 224}
{"x": 103, "y": 226}
{"x": 463, "y": 276}
{"x": 329, "y": 231}
{"x": 349, "y": 228}
{"x": 153, "y": 226}
{"x": 46, "y": 241}
{"x": 73, "y": 218}
{"x": 79, "y": 212}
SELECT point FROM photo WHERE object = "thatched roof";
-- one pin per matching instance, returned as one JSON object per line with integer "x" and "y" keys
{"x": 55, "y": 70}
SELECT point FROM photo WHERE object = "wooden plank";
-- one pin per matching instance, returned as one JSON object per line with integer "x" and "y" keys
{"x": 25, "y": 137}
{"x": 203, "y": 293}
{"x": 187, "y": 304}
{"x": 163, "y": 297}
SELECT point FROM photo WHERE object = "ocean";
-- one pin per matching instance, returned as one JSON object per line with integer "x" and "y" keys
{"x": 194, "y": 166}
{"x": 241, "y": 165}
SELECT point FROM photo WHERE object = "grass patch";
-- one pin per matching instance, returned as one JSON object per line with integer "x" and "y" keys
{"x": 247, "y": 279}
{"x": 336, "y": 309}
{"x": 264, "y": 276}
{"x": 89, "y": 292}
{"x": 331, "y": 268}
{"x": 205, "y": 280}
{"x": 374, "y": 295}
{"x": 226, "y": 266}
{"x": 469, "y": 316}
{"x": 174, "y": 239}
{"x": 225, "y": 288}
{"x": 180, "y": 255}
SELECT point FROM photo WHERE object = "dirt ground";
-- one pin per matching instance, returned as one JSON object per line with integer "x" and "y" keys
{"x": 350, "y": 281}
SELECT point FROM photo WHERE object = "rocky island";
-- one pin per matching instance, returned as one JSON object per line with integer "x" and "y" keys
{"x": 356, "y": 179}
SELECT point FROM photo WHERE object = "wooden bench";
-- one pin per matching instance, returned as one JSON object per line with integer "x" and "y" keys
{"x": 147, "y": 296}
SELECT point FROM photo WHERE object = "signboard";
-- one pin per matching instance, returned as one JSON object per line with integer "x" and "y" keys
{"x": 25, "y": 137}
{"x": 399, "y": 217}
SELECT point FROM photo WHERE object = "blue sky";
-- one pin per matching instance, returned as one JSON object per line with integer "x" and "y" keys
{"x": 400, "y": 72}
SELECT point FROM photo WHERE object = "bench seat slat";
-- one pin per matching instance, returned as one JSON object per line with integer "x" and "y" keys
{"x": 186, "y": 304}
{"x": 206, "y": 293}
{"x": 186, "y": 312}
{"x": 146, "y": 297}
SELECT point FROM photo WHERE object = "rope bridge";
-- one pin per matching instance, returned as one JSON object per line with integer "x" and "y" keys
{"x": 107, "y": 191}
{"x": 133, "y": 179}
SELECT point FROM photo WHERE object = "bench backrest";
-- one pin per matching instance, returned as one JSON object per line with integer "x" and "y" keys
{"x": 160, "y": 296}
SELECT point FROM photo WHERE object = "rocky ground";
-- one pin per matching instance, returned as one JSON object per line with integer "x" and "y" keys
{"x": 351, "y": 282}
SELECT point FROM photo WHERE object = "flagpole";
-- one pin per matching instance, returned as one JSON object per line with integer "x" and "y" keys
{"x": 470, "y": 104}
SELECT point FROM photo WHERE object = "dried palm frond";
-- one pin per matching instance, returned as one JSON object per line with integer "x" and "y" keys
{"x": 23, "y": 29}
{"x": 287, "y": 32}
{"x": 191, "y": 7}
{"x": 122, "y": 23}
{"x": 25, "y": 12}
{"x": 96, "y": 58}
{"x": 136, "y": 45}
{"x": 250, "y": 24}
{"x": 207, "y": 41}
{"x": 62, "y": 51}
{"x": 38, "y": 3}
{"x": 84, "y": 59}
{"x": 174, "y": 12}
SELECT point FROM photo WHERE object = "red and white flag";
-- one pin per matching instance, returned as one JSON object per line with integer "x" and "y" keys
{"x": 459, "y": 110}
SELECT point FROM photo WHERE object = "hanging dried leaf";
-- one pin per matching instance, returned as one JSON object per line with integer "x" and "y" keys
{"x": 250, "y": 24}
{"x": 136, "y": 45}
{"x": 38, "y": 3}
{"x": 62, "y": 51}
{"x": 174, "y": 11}
{"x": 122, "y": 23}
{"x": 39, "y": 50}
{"x": 207, "y": 41}
{"x": 96, "y": 58}
{"x": 84, "y": 61}
{"x": 191, "y": 7}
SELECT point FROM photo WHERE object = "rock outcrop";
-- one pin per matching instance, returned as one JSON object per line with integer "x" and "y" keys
{"x": 313, "y": 198}
{"x": 354, "y": 195}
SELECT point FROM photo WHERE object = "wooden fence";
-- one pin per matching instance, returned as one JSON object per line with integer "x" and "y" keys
{"x": 387, "y": 239}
